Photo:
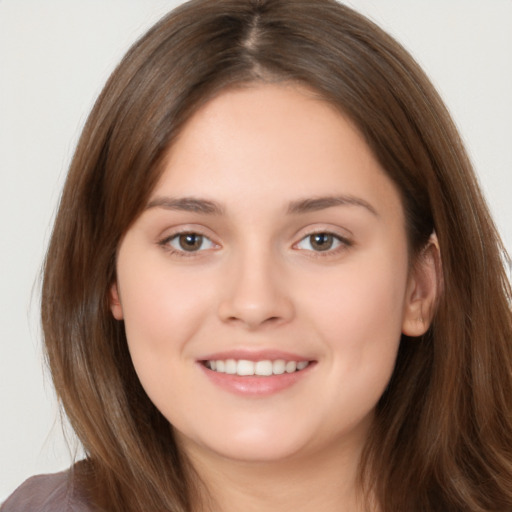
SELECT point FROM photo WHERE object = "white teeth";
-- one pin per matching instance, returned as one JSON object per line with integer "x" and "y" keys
{"x": 245, "y": 367}
{"x": 263, "y": 368}
{"x": 278, "y": 367}
{"x": 230, "y": 366}
{"x": 291, "y": 366}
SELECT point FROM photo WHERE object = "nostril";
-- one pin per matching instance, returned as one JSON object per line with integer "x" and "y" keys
{"x": 245, "y": 306}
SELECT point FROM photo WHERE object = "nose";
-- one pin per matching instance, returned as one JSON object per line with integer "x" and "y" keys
{"x": 256, "y": 294}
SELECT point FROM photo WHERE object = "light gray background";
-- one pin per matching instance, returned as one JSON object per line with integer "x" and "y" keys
{"x": 55, "y": 56}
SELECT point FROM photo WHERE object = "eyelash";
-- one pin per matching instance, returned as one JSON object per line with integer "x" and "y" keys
{"x": 343, "y": 244}
{"x": 166, "y": 243}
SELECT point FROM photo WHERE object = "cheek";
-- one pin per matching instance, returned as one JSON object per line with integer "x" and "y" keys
{"x": 162, "y": 310}
{"x": 358, "y": 313}
{"x": 367, "y": 292}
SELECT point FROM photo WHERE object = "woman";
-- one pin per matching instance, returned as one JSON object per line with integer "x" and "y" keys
{"x": 273, "y": 281}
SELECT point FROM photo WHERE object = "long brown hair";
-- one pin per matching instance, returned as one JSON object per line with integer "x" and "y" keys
{"x": 442, "y": 437}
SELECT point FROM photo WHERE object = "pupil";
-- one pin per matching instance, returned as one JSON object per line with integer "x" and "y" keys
{"x": 321, "y": 241}
{"x": 190, "y": 241}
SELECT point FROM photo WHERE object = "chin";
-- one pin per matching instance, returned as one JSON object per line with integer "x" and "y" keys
{"x": 248, "y": 445}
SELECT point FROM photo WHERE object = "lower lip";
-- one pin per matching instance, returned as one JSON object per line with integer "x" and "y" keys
{"x": 256, "y": 386}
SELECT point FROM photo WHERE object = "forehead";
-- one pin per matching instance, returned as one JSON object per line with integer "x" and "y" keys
{"x": 276, "y": 142}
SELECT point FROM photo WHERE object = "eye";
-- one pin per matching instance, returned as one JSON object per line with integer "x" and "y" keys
{"x": 188, "y": 242}
{"x": 321, "y": 242}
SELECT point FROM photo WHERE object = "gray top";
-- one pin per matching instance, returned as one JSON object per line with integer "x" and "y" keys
{"x": 46, "y": 493}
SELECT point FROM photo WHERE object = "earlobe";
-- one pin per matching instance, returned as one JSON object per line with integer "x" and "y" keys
{"x": 115, "y": 303}
{"x": 423, "y": 290}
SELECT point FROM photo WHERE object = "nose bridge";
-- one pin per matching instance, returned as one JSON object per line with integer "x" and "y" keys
{"x": 255, "y": 293}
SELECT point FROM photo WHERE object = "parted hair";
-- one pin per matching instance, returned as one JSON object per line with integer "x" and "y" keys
{"x": 442, "y": 435}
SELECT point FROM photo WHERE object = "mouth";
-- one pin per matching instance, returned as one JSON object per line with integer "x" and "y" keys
{"x": 263, "y": 368}
{"x": 252, "y": 375}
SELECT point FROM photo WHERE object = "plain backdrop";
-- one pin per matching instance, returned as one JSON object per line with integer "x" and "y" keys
{"x": 55, "y": 55}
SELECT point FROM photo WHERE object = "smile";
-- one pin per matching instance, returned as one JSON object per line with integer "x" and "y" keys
{"x": 264, "y": 368}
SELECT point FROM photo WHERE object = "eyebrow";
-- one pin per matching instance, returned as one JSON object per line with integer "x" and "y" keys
{"x": 321, "y": 203}
{"x": 186, "y": 204}
{"x": 300, "y": 206}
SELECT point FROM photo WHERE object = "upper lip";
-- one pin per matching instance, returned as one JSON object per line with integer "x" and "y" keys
{"x": 255, "y": 355}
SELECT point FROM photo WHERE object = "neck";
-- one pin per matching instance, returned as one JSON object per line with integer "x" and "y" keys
{"x": 326, "y": 482}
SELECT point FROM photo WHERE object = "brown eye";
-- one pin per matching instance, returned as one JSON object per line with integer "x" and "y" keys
{"x": 190, "y": 241}
{"x": 321, "y": 241}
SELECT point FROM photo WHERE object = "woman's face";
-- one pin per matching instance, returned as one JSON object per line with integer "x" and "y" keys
{"x": 273, "y": 244}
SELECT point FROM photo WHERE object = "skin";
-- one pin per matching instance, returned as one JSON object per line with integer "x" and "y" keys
{"x": 257, "y": 283}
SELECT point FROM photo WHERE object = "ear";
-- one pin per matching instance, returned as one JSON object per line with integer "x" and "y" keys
{"x": 423, "y": 290}
{"x": 115, "y": 303}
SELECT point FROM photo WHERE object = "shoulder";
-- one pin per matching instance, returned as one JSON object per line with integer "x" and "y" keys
{"x": 47, "y": 493}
